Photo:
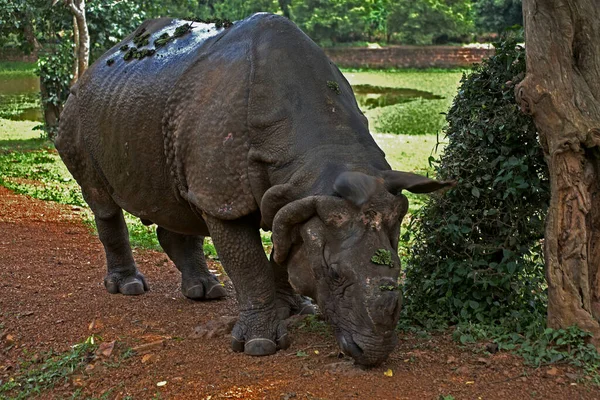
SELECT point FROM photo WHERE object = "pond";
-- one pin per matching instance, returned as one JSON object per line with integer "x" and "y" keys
{"x": 369, "y": 96}
{"x": 20, "y": 98}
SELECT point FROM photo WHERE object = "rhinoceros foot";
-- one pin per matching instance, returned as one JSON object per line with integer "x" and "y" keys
{"x": 203, "y": 288}
{"x": 289, "y": 304}
{"x": 127, "y": 284}
{"x": 259, "y": 333}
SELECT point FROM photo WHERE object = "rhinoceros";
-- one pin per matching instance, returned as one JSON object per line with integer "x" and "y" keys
{"x": 221, "y": 129}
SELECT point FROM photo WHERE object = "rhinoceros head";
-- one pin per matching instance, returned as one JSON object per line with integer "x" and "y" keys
{"x": 342, "y": 251}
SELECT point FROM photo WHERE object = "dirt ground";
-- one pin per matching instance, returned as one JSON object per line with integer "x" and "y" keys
{"x": 51, "y": 297}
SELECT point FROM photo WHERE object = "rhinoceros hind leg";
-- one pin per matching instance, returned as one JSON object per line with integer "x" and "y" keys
{"x": 122, "y": 276}
{"x": 259, "y": 331}
{"x": 187, "y": 252}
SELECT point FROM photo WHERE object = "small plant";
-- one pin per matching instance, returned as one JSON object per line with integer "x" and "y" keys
{"x": 54, "y": 369}
{"x": 162, "y": 40}
{"x": 182, "y": 30}
{"x": 333, "y": 85}
{"x": 383, "y": 257}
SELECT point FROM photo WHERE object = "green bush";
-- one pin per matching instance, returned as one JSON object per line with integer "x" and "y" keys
{"x": 477, "y": 249}
{"x": 418, "y": 117}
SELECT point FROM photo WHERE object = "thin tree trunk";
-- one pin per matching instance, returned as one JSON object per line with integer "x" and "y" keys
{"x": 562, "y": 92}
{"x": 83, "y": 49}
{"x": 75, "y": 67}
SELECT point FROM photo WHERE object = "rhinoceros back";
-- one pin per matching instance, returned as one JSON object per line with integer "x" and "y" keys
{"x": 126, "y": 108}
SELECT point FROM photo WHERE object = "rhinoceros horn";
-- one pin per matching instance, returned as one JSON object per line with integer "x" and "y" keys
{"x": 396, "y": 181}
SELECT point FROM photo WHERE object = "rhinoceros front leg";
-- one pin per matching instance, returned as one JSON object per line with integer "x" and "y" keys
{"x": 287, "y": 301}
{"x": 187, "y": 252}
{"x": 258, "y": 331}
{"x": 122, "y": 276}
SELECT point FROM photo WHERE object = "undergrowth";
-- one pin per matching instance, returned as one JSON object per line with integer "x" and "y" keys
{"x": 51, "y": 369}
{"x": 475, "y": 258}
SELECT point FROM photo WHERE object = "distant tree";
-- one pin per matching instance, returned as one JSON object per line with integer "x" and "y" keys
{"x": 424, "y": 21}
{"x": 497, "y": 15}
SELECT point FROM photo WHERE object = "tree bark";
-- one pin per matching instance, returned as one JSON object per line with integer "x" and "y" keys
{"x": 562, "y": 92}
{"x": 75, "y": 68}
{"x": 77, "y": 7}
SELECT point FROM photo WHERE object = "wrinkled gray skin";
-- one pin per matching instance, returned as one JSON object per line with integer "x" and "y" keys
{"x": 223, "y": 131}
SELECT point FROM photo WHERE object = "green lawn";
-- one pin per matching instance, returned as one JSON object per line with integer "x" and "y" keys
{"x": 418, "y": 117}
{"x": 16, "y": 69}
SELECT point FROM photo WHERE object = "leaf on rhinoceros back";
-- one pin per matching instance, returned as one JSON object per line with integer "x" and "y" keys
{"x": 333, "y": 85}
{"x": 389, "y": 372}
{"x": 383, "y": 257}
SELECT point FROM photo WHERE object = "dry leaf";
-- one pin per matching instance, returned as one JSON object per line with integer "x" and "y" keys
{"x": 105, "y": 349}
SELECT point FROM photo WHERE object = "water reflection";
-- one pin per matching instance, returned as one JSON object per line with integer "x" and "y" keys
{"x": 369, "y": 96}
{"x": 20, "y": 98}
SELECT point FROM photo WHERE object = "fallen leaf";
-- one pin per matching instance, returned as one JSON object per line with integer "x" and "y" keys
{"x": 316, "y": 351}
{"x": 469, "y": 382}
{"x": 389, "y": 372}
{"x": 161, "y": 383}
{"x": 552, "y": 371}
{"x": 105, "y": 349}
{"x": 147, "y": 357}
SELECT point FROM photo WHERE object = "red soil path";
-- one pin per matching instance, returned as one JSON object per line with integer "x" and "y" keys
{"x": 51, "y": 297}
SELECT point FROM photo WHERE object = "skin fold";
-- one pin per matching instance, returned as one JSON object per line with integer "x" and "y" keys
{"x": 222, "y": 131}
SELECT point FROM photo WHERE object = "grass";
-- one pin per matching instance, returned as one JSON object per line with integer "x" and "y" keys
{"x": 16, "y": 69}
{"x": 418, "y": 117}
{"x": 38, "y": 375}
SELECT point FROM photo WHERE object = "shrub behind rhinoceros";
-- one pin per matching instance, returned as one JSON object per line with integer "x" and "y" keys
{"x": 477, "y": 251}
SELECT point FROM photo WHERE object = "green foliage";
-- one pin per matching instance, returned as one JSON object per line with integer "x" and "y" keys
{"x": 417, "y": 117}
{"x": 16, "y": 69}
{"x": 383, "y": 257}
{"x": 477, "y": 249}
{"x": 55, "y": 369}
{"x": 497, "y": 15}
{"x": 429, "y": 21}
{"x": 538, "y": 345}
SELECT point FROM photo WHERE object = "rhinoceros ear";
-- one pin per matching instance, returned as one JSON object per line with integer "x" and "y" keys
{"x": 396, "y": 181}
{"x": 355, "y": 187}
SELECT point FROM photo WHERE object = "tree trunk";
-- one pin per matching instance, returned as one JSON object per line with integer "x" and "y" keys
{"x": 562, "y": 92}
{"x": 75, "y": 67}
{"x": 83, "y": 48}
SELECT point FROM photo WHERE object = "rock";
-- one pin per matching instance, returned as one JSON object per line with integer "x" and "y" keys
{"x": 491, "y": 348}
{"x": 464, "y": 370}
{"x": 345, "y": 368}
{"x": 482, "y": 360}
{"x": 572, "y": 376}
{"x": 214, "y": 328}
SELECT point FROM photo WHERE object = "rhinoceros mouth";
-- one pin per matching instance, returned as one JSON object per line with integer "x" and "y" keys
{"x": 366, "y": 354}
